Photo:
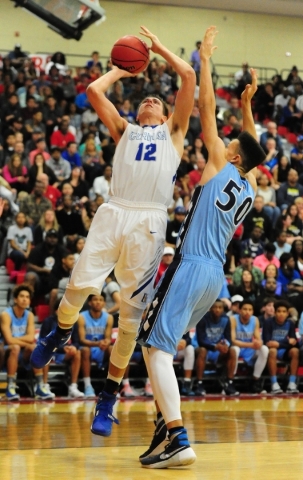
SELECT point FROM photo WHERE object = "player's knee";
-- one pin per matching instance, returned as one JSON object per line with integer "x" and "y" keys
{"x": 123, "y": 348}
{"x": 15, "y": 350}
{"x": 201, "y": 353}
{"x": 85, "y": 353}
{"x": 233, "y": 353}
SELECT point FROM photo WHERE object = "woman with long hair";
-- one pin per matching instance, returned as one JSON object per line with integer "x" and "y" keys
{"x": 297, "y": 252}
{"x": 271, "y": 271}
{"x": 39, "y": 166}
{"x": 248, "y": 288}
{"x": 15, "y": 173}
{"x": 268, "y": 194}
{"x": 78, "y": 183}
{"x": 92, "y": 160}
{"x": 280, "y": 171}
{"x": 296, "y": 223}
{"x": 284, "y": 224}
{"x": 48, "y": 221}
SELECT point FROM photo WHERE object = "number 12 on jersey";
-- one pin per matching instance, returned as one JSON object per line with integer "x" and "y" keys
{"x": 146, "y": 152}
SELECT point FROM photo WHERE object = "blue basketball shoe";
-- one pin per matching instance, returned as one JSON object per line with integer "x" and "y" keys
{"x": 46, "y": 347}
{"x": 176, "y": 454}
{"x": 104, "y": 419}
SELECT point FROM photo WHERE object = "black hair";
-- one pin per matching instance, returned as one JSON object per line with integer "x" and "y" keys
{"x": 270, "y": 247}
{"x": 285, "y": 257}
{"x": 251, "y": 152}
{"x": 268, "y": 300}
{"x": 164, "y": 106}
{"x": 21, "y": 288}
{"x": 282, "y": 303}
{"x": 247, "y": 302}
{"x": 102, "y": 294}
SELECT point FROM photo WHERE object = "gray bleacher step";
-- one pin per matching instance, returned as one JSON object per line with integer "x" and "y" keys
{"x": 3, "y": 303}
{"x": 4, "y": 278}
{"x": 3, "y": 294}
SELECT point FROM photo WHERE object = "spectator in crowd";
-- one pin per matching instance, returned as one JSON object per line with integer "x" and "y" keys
{"x": 279, "y": 336}
{"x": 271, "y": 272}
{"x": 196, "y": 174}
{"x": 287, "y": 273}
{"x": 281, "y": 244}
{"x": 291, "y": 116}
{"x": 59, "y": 165}
{"x": 92, "y": 160}
{"x": 9, "y": 194}
{"x": 296, "y": 226}
{"x": 38, "y": 168}
{"x": 62, "y": 137}
{"x": 248, "y": 289}
{"x": 267, "y": 258}
{"x": 70, "y": 354}
{"x": 50, "y": 191}
{"x": 52, "y": 115}
{"x": 213, "y": 341}
{"x": 289, "y": 190}
{"x": 253, "y": 243}
{"x": 17, "y": 56}
{"x": 272, "y": 132}
{"x": 235, "y": 305}
{"x": 265, "y": 102}
{"x": 18, "y": 330}
{"x": 41, "y": 260}
{"x": 297, "y": 252}
{"x": 15, "y": 173}
{"x": 69, "y": 219}
{"x": 268, "y": 194}
{"x": 257, "y": 217}
{"x": 280, "y": 171}
{"x": 167, "y": 258}
{"x": 78, "y": 246}
{"x": 95, "y": 330}
{"x": 95, "y": 61}
{"x": 246, "y": 262}
{"x": 113, "y": 297}
{"x": 20, "y": 240}
{"x": 71, "y": 154}
{"x": 34, "y": 204}
{"x": 233, "y": 109}
{"x": 174, "y": 226}
{"x": 196, "y": 61}
{"x": 296, "y": 155}
{"x": 268, "y": 310}
{"x": 79, "y": 184}
{"x": 41, "y": 148}
{"x": 48, "y": 221}
{"x": 242, "y": 78}
{"x": 59, "y": 277}
{"x": 246, "y": 339}
{"x": 101, "y": 185}
{"x": 7, "y": 219}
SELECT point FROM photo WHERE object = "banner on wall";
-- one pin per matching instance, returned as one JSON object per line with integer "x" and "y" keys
{"x": 40, "y": 60}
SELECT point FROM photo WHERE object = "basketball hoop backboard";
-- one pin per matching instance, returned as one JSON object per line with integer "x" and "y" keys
{"x": 67, "y": 17}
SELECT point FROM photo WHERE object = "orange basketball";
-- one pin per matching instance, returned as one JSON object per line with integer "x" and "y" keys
{"x": 130, "y": 53}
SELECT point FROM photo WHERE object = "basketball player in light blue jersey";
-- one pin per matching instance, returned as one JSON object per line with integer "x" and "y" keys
{"x": 95, "y": 330}
{"x": 247, "y": 341}
{"x": 193, "y": 281}
{"x": 128, "y": 232}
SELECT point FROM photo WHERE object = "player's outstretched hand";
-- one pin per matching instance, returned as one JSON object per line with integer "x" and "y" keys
{"x": 250, "y": 89}
{"x": 207, "y": 48}
{"x": 155, "y": 46}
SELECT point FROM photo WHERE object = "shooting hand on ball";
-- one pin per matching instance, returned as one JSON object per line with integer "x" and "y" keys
{"x": 124, "y": 73}
{"x": 155, "y": 47}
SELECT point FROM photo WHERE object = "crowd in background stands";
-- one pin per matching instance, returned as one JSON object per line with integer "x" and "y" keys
{"x": 56, "y": 164}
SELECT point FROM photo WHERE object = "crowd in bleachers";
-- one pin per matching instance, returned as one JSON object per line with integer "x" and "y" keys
{"x": 55, "y": 171}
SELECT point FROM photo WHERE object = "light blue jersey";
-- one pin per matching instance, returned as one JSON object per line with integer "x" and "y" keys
{"x": 18, "y": 325}
{"x": 94, "y": 327}
{"x": 245, "y": 333}
{"x": 215, "y": 211}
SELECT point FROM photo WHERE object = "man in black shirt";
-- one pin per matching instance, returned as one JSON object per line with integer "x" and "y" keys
{"x": 58, "y": 278}
{"x": 174, "y": 226}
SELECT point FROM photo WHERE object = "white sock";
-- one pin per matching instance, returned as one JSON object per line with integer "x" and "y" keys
{"x": 164, "y": 383}
{"x": 125, "y": 382}
{"x": 74, "y": 385}
{"x": 86, "y": 381}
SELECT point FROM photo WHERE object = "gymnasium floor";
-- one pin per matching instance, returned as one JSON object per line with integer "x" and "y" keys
{"x": 251, "y": 438}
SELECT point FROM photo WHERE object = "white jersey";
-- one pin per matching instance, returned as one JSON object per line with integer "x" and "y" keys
{"x": 145, "y": 165}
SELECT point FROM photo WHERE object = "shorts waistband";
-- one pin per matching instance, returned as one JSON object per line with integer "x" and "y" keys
{"x": 120, "y": 202}
{"x": 213, "y": 262}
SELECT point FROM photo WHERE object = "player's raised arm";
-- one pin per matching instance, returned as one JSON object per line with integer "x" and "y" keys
{"x": 207, "y": 101}
{"x": 185, "y": 98}
{"x": 107, "y": 112}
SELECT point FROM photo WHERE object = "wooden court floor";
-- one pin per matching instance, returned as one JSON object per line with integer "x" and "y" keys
{"x": 235, "y": 439}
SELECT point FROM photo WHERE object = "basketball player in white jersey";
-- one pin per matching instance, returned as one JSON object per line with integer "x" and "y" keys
{"x": 128, "y": 232}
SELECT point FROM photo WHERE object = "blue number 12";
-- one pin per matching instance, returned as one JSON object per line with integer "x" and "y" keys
{"x": 147, "y": 151}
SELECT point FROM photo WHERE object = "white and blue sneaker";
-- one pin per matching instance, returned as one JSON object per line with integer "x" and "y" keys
{"x": 11, "y": 394}
{"x": 176, "y": 454}
{"x": 89, "y": 392}
{"x": 41, "y": 393}
{"x": 46, "y": 347}
{"x": 104, "y": 418}
{"x": 159, "y": 441}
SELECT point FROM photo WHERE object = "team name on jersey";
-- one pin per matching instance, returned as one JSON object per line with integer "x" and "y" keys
{"x": 18, "y": 330}
{"x": 279, "y": 334}
{"x": 148, "y": 136}
{"x": 95, "y": 330}
{"x": 244, "y": 335}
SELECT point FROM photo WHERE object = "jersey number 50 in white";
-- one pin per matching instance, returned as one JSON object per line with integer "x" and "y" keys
{"x": 146, "y": 152}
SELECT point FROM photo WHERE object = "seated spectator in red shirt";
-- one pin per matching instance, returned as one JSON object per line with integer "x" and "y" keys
{"x": 50, "y": 192}
{"x": 195, "y": 175}
{"x": 40, "y": 148}
{"x": 167, "y": 258}
{"x": 267, "y": 258}
{"x": 61, "y": 137}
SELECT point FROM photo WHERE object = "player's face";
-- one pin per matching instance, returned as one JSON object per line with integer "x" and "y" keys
{"x": 97, "y": 303}
{"x": 23, "y": 299}
{"x": 281, "y": 314}
{"x": 232, "y": 151}
{"x": 246, "y": 312}
{"x": 151, "y": 106}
